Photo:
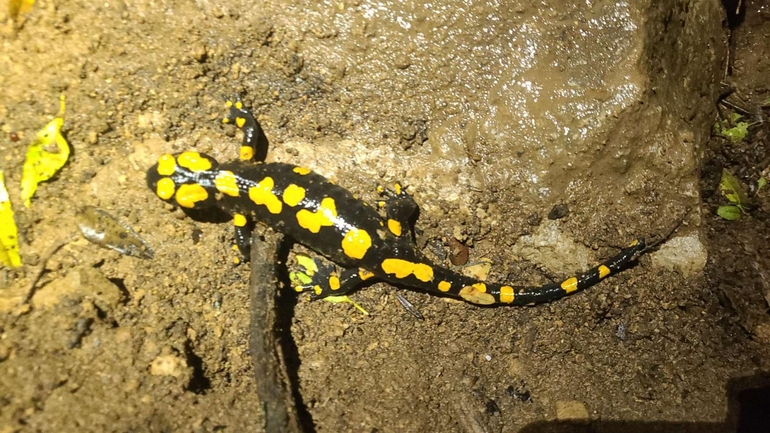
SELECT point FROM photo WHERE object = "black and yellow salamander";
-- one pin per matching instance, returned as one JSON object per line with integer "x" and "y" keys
{"x": 330, "y": 220}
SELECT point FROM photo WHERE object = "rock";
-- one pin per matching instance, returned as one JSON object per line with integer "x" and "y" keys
{"x": 552, "y": 248}
{"x": 685, "y": 253}
{"x": 571, "y": 410}
{"x": 168, "y": 365}
{"x": 79, "y": 283}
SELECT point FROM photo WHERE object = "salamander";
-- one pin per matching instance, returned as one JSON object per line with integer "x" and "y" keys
{"x": 371, "y": 242}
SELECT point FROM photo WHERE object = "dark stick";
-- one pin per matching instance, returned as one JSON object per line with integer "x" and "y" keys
{"x": 272, "y": 379}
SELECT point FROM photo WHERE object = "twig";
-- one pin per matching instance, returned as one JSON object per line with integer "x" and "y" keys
{"x": 270, "y": 371}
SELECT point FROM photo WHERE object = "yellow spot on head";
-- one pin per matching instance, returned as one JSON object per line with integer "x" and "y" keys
{"x": 227, "y": 183}
{"x": 263, "y": 194}
{"x": 301, "y": 170}
{"x": 397, "y": 188}
{"x": 240, "y": 121}
{"x": 403, "y": 268}
{"x": 246, "y": 153}
{"x": 603, "y": 271}
{"x": 506, "y": 294}
{"x": 472, "y": 294}
{"x": 356, "y": 243}
{"x": 634, "y": 243}
{"x": 334, "y": 282}
{"x": 166, "y": 165}
{"x": 293, "y": 194}
{"x": 189, "y": 194}
{"x": 317, "y": 290}
{"x": 394, "y": 227}
{"x": 570, "y": 285}
{"x": 324, "y": 216}
{"x": 444, "y": 286}
{"x": 193, "y": 161}
{"x": 228, "y": 103}
{"x": 239, "y": 220}
{"x": 364, "y": 274}
{"x": 165, "y": 188}
{"x": 239, "y": 105}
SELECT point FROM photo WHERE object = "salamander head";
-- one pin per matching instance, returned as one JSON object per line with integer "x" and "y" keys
{"x": 181, "y": 179}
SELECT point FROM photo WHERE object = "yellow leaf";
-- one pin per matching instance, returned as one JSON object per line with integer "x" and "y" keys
{"x": 19, "y": 7}
{"x": 9, "y": 233}
{"x": 45, "y": 156}
{"x": 733, "y": 189}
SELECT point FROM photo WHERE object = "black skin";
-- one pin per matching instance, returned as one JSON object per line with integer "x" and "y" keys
{"x": 351, "y": 214}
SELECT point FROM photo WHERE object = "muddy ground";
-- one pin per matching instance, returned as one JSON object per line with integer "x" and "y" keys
{"x": 114, "y": 343}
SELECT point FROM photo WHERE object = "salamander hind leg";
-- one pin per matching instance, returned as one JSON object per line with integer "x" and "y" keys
{"x": 321, "y": 278}
{"x": 254, "y": 144}
{"x": 400, "y": 209}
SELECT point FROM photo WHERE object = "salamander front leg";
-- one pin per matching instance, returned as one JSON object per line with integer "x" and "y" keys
{"x": 254, "y": 145}
{"x": 400, "y": 209}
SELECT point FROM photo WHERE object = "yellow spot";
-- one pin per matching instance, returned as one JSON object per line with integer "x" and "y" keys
{"x": 317, "y": 290}
{"x": 397, "y": 187}
{"x": 603, "y": 271}
{"x": 293, "y": 194}
{"x": 239, "y": 220}
{"x": 334, "y": 282}
{"x": 165, "y": 188}
{"x": 239, "y": 105}
{"x": 263, "y": 194}
{"x": 301, "y": 170}
{"x": 506, "y": 294}
{"x": 394, "y": 227}
{"x": 225, "y": 120}
{"x": 364, "y": 274}
{"x": 189, "y": 194}
{"x": 403, "y": 268}
{"x": 246, "y": 153}
{"x": 240, "y": 121}
{"x": 356, "y": 243}
{"x": 444, "y": 286}
{"x": 166, "y": 165}
{"x": 324, "y": 216}
{"x": 194, "y": 161}
{"x": 227, "y": 183}
{"x": 472, "y": 294}
{"x": 569, "y": 285}
{"x": 298, "y": 289}
{"x": 634, "y": 243}
{"x": 228, "y": 103}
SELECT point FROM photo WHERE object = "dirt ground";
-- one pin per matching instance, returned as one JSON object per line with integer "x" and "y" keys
{"x": 115, "y": 343}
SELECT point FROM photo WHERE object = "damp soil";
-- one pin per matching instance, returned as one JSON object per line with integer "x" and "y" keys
{"x": 116, "y": 343}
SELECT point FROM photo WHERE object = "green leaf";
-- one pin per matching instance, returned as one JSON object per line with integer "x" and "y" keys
{"x": 730, "y": 213}
{"x": 761, "y": 183}
{"x": 737, "y": 132}
{"x": 733, "y": 189}
{"x": 734, "y": 117}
